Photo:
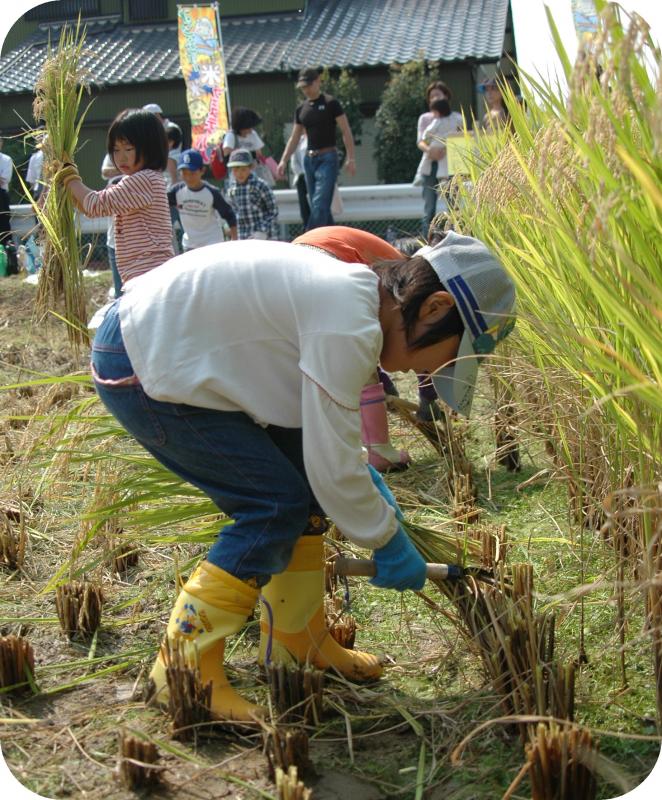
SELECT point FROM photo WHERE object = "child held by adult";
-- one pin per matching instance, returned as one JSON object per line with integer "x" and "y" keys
{"x": 243, "y": 135}
{"x": 138, "y": 148}
{"x": 433, "y": 140}
{"x": 200, "y": 205}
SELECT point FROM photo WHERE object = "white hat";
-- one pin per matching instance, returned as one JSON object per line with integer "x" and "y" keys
{"x": 155, "y": 108}
{"x": 485, "y": 298}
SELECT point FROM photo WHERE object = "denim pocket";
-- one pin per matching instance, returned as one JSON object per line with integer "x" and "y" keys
{"x": 110, "y": 362}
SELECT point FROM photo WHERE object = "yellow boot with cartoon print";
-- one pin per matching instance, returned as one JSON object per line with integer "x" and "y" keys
{"x": 298, "y": 632}
{"x": 212, "y": 605}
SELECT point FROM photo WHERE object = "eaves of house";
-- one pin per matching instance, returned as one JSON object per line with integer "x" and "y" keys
{"x": 331, "y": 33}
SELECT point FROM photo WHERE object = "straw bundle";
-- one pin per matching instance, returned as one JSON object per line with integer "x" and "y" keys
{"x": 562, "y": 764}
{"x": 516, "y": 645}
{"x": 79, "y": 607}
{"x": 189, "y": 702}
{"x": 340, "y": 624}
{"x": 137, "y": 763}
{"x": 290, "y": 787}
{"x": 286, "y": 747}
{"x": 296, "y": 692}
{"x": 12, "y": 543}
{"x": 58, "y": 93}
{"x": 16, "y": 662}
{"x": 442, "y": 547}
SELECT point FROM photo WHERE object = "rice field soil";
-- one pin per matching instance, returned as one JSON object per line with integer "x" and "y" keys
{"x": 393, "y": 739}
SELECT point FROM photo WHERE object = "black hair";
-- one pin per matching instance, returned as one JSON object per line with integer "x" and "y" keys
{"x": 437, "y": 234}
{"x": 441, "y": 106}
{"x": 174, "y": 134}
{"x": 410, "y": 282}
{"x": 408, "y": 245}
{"x": 441, "y": 86}
{"x": 244, "y": 118}
{"x": 145, "y": 132}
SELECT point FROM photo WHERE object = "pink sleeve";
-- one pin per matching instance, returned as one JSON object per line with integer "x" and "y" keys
{"x": 133, "y": 191}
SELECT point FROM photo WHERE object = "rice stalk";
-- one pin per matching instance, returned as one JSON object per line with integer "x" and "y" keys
{"x": 562, "y": 763}
{"x": 12, "y": 542}
{"x": 58, "y": 94}
{"x": 189, "y": 701}
{"x": 289, "y": 786}
{"x": 296, "y": 692}
{"x": 442, "y": 547}
{"x": 505, "y": 422}
{"x": 340, "y": 624}
{"x": 515, "y": 644}
{"x": 79, "y": 607}
{"x": 569, "y": 197}
{"x": 285, "y": 747}
{"x": 138, "y": 763}
{"x": 435, "y": 432}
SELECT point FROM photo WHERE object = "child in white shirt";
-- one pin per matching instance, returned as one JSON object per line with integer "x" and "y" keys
{"x": 200, "y": 205}
{"x": 243, "y": 134}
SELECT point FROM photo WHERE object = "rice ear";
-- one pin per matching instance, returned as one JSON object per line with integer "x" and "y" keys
{"x": 58, "y": 95}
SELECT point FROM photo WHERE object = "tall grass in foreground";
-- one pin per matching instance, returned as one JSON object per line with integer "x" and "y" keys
{"x": 569, "y": 196}
{"x": 58, "y": 94}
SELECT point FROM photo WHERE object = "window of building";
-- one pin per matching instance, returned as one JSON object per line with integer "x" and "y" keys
{"x": 147, "y": 10}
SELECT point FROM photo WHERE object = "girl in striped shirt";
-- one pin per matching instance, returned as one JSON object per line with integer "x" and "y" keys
{"x": 138, "y": 203}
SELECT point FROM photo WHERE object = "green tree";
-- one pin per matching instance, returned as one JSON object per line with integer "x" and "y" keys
{"x": 345, "y": 88}
{"x": 274, "y": 119}
{"x": 403, "y": 101}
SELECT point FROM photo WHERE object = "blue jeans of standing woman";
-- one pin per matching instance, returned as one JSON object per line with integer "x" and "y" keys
{"x": 253, "y": 474}
{"x": 430, "y": 196}
{"x": 321, "y": 175}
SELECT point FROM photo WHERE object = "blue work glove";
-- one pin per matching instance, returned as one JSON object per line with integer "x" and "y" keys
{"x": 385, "y": 492}
{"x": 399, "y": 564}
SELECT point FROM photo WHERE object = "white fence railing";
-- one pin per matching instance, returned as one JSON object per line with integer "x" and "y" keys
{"x": 383, "y": 202}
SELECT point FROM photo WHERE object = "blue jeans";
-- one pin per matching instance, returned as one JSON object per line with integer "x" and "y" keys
{"x": 321, "y": 175}
{"x": 253, "y": 474}
{"x": 429, "y": 199}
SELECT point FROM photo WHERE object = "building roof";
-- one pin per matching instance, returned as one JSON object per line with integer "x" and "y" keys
{"x": 331, "y": 33}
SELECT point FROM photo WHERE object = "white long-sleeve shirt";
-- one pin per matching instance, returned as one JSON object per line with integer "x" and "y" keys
{"x": 283, "y": 333}
{"x": 6, "y": 170}
{"x": 35, "y": 166}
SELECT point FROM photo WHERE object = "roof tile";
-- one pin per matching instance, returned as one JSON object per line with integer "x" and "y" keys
{"x": 333, "y": 33}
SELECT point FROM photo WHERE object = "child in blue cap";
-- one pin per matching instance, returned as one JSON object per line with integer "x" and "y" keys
{"x": 200, "y": 205}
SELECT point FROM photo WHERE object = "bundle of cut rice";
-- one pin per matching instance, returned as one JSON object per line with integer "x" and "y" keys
{"x": 58, "y": 94}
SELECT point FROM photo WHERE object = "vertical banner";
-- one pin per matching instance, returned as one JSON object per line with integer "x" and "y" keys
{"x": 585, "y": 18}
{"x": 203, "y": 69}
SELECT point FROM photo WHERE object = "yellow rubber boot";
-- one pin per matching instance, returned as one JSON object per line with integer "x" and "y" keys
{"x": 299, "y": 633}
{"x": 212, "y": 605}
